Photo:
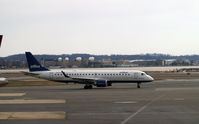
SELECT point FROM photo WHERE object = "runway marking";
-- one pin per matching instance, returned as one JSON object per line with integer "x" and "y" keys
{"x": 33, "y": 115}
{"x": 174, "y": 89}
{"x": 179, "y": 99}
{"x": 12, "y": 94}
{"x": 126, "y": 102}
{"x": 141, "y": 109}
{"x": 34, "y": 101}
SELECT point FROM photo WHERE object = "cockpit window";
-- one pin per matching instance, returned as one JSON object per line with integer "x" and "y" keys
{"x": 142, "y": 74}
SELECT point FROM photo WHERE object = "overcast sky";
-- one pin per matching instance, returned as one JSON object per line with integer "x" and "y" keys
{"x": 99, "y": 26}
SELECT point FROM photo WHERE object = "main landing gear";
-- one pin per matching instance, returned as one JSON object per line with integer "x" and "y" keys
{"x": 88, "y": 86}
{"x": 138, "y": 85}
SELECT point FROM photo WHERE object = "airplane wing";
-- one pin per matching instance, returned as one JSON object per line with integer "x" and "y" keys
{"x": 81, "y": 79}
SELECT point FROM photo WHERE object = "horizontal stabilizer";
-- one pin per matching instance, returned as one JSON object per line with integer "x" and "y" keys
{"x": 29, "y": 74}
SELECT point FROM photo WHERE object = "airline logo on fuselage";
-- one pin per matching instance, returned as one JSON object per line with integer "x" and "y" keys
{"x": 35, "y": 66}
{"x": 124, "y": 72}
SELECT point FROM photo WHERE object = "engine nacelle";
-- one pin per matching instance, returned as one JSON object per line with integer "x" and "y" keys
{"x": 101, "y": 83}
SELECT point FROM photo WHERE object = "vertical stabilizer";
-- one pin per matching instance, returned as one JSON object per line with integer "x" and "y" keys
{"x": 33, "y": 64}
{"x": 1, "y": 37}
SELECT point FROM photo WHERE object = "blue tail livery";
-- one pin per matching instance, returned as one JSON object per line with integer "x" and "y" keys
{"x": 33, "y": 64}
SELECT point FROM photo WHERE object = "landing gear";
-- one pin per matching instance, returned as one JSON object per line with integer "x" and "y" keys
{"x": 109, "y": 84}
{"x": 138, "y": 85}
{"x": 88, "y": 86}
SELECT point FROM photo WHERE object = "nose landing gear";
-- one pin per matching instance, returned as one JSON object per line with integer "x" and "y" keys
{"x": 138, "y": 85}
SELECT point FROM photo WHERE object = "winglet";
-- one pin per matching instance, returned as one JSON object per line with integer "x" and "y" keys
{"x": 65, "y": 74}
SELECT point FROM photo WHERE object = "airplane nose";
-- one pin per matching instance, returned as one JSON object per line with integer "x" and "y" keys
{"x": 150, "y": 78}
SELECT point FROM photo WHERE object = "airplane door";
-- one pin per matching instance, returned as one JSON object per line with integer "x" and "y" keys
{"x": 136, "y": 76}
{"x": 51, "y": 75}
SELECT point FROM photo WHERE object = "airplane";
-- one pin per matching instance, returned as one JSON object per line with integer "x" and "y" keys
{"x": 2, "y": 80}
{"x": 90, "y": 78}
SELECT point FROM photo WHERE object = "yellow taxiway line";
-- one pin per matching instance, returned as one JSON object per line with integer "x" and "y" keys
{"x": 12, "y": 94}
{"x": 33, "y": 101}
{"x": 33, "y": 115}
{"x": 176, "y": 89}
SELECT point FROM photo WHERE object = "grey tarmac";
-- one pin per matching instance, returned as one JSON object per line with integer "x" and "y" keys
{"x": 160, "y": 102}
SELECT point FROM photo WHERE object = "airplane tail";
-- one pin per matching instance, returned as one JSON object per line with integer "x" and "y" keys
{"x": 33, "y": 64}
{"x": 1, "y": 37}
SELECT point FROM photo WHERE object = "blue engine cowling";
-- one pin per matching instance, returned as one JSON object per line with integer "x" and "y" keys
{"x": 102, "y": 83}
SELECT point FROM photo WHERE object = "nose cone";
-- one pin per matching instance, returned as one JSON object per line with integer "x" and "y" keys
{"x": 150, "y": 78}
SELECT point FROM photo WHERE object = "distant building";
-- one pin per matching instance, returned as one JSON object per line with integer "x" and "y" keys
{"x": 151, "y": 62}
{"x": 168, "y": 62}
{"x": 195, "y": 62}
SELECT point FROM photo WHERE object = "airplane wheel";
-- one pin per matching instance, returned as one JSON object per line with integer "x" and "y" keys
{"x": 88, "y": 87}
{"x": 85, "y": 87}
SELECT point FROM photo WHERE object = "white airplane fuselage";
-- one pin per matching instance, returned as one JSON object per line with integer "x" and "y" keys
{"x": 96, "y": 77}
{"x": 113, "y": 76}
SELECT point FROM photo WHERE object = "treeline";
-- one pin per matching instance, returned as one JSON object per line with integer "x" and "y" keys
{"x": 21, "y": 57}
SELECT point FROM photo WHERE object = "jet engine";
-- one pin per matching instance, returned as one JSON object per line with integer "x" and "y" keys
{"x": 102, "y": 83}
